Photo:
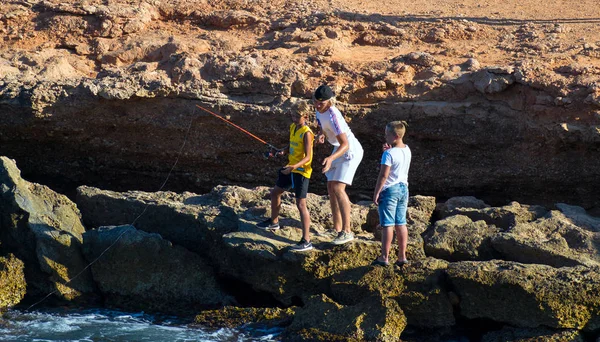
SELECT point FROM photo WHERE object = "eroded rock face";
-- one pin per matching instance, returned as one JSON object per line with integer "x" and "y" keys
{"x": 504, "y": 217}
{"x": 232, "y": 317}
{"x": 471, "y": 230}
{"x": 419, "y": 289}
{"x": 12, "y": 282}
{"x": 459, "y": 238}
{"x": 373, "y": 319}
{"x": 44, "y": 230}
{"x": 527, "y": 295}
{"x": 261, "y": 259}
{"x": 552, "y": 240}
{"x": 104, "y": 91}
{"x": 143, "y": 271}
{"x": 578, "y": 216}
{"x": 221, "y": 227}
{"x": 195, "y": 222}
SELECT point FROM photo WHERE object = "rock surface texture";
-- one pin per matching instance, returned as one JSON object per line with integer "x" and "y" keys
{"x": 104, "y": 93}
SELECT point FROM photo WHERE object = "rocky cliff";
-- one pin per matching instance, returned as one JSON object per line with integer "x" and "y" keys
{"x": 104, "y": 93}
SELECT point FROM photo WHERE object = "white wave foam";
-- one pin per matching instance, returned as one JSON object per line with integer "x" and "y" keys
{"x": 93, "y": 325}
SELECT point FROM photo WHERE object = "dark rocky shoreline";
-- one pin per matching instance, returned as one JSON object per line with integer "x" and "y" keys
{"x": 516, "y": 270}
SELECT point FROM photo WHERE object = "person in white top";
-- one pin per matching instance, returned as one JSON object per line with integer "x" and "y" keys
{"x": 341, "y": 165}
{"x": 391, "y": 192}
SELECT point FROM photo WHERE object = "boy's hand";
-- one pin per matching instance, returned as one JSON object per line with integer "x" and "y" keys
{"x": 386, "y": 147}
{"x": 287, "y": 169}
{"x": 376, "y": 199}
{"x": 326, "y": 164}
{"x": 321, "y": 138}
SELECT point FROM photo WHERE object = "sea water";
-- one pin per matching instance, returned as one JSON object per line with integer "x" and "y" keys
{"x": 105, "y": 325}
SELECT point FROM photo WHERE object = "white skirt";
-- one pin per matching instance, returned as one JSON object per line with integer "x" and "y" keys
{"x": 344, "y": 168}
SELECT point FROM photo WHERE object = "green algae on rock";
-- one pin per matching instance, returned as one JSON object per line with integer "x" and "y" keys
{"x": 12, "y": 282}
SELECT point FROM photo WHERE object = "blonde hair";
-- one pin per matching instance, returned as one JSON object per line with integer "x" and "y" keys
{"x": 332, "y": 101}
{"x": 302, "y": 108}
{"x": 397, "y": 127}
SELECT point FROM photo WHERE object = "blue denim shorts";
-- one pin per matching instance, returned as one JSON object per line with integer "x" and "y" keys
{"x": 393, "y": 203}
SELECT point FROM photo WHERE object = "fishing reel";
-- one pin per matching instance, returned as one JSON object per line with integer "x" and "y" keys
{"x": 273, "y": 153}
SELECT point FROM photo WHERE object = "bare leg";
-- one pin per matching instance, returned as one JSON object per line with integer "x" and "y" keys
{"x": 276, "y": 203}
{"x": 387, "y": 236}
{"x": 304, "y": 218}
{"x": 343, "y": 202}
{"x": 402, "y": 234}
{"x": 335, "y": 208}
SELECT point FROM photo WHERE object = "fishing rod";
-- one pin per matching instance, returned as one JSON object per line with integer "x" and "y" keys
{"x": 272, "y": 152}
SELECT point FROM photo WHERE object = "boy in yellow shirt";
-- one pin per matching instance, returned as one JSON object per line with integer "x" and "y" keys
{"x": 295, "y": 175}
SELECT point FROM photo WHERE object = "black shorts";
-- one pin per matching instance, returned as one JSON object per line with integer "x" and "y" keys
{"x": 294, "y": 181}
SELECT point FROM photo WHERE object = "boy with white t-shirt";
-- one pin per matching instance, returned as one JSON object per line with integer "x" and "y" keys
{"x": 391, "y": 192}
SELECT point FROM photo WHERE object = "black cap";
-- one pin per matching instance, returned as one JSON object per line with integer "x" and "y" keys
{"x": 323, "y": 93}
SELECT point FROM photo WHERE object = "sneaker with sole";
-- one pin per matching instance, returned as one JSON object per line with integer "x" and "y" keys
{"x": 378, "y": 262}
{"x": 267, "y": 224}
{"x": 342, "y": 238}
{"x": 401, "y": 263}
{"x": 329, "y": 233}
{"x": 303, "y": 245}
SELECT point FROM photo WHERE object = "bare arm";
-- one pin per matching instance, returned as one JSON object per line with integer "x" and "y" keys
{"x": 384, "y": 173}
{"x": 320, "y": 136}
{"x": 344, "y": 146}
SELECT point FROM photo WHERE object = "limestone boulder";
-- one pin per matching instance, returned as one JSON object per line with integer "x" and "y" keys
{"x": 373, "y": 319}
{"x": 551, "y": 240}
{"x": 44, "y": 230}
{"x": 579, "y": 217}
{"x": 493, "y": 80}
{"x": 420, "y": 210}
{"x": 195, "y": 222}
{"x": 232, "y": 317}
{"x": 264, "y": 261}
{"x": 504, "y": 217}
{"x": 140, "y": 270}
{"x": 12, "y": 282}
{"x": 463, "y": 202}
{"x": 459, "y": 238}
{"x": 419, "y": 288}
{"x": 526, "y": 295}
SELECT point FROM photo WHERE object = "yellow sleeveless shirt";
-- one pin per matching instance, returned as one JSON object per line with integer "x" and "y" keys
{"x": 297, "y": 150}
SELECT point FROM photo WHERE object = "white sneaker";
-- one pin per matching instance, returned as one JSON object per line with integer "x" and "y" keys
{"x": 342, "y": 238}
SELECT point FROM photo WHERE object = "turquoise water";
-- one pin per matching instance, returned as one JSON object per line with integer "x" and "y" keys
{"x": 115, "y": 326}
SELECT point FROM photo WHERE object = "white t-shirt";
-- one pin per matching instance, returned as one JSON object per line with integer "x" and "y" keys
{"x": 398, "y": 158}
{"x": 333, "y": 124}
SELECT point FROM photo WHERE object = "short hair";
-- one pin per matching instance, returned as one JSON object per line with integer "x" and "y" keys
{"x": 398, "y": 127}
{"x": 302, "y": 108}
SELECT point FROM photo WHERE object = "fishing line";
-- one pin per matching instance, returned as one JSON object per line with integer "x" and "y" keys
{"x": 132, "y": 223}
